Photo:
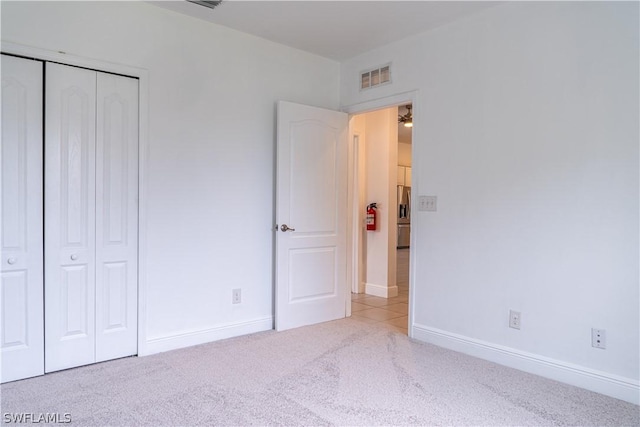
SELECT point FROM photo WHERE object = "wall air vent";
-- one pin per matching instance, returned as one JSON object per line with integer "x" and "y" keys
{"x": 376, "y": 77}
{"x": 206, "y": 3}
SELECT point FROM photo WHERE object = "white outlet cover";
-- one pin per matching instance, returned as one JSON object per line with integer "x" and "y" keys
{"x": 514, "y": 319}
{"x": 236, "y": 297}
{"x": 598, "y": 338}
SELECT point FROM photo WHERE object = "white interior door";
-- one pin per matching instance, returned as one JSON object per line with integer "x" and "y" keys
{"x": 70, "y": 144}
{"x": 21, "y": 323}
{"x": 311, "y": 212}
{"x": 116, "y": 217}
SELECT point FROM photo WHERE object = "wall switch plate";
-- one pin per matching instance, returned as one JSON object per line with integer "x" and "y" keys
{"x": 514, "y": 319}
{"x": 428, "y": 203}
{"x": 598, "y": 338}
{"x": 236, "y": 296}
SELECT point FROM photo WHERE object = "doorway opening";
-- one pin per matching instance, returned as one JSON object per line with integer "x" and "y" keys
{"x": 381, "y": 174}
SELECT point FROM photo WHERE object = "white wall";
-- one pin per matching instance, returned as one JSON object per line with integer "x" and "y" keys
{"x": 526, "y": 129}
{"x": 210, "y": 160}
{"x": 381, "y": 133}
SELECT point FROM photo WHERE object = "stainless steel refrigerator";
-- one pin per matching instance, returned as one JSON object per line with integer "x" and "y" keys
{"x": 404, "y": 216}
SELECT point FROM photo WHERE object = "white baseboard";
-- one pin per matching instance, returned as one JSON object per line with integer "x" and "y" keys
{"x": 601, "y": 382}
{"x": 380, "y": 291}
{"x": 188, "y": 339}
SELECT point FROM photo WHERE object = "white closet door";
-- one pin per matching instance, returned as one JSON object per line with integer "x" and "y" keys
{"x": 70, "y": 217}
{"x": 116, "y": 217}
{"x": 21, "y": 324}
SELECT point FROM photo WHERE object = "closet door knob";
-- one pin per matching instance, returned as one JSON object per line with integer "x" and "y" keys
{"x": 12, "y": 261}
{"x": 74, "y": 257}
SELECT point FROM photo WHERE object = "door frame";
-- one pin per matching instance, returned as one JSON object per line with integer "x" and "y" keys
{"x": 410, "y": 97}
{"x": 143, "y": 148}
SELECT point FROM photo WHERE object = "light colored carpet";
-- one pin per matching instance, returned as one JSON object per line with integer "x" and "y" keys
{"x": 338, "y": 373}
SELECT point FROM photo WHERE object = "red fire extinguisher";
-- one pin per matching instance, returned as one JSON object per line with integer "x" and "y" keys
{"x": 371, "y": 217}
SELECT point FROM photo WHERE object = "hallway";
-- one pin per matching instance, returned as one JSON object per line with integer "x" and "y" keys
{"x": 390, "y": 311}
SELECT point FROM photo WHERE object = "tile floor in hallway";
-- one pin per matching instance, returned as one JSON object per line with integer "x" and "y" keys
{"x": 390, "y": 311}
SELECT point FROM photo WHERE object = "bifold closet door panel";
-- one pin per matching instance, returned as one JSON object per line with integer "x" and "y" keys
{"x": 21, "y": 293}
{"x": 70, "y": 142}
{"x": 116, "y": 217}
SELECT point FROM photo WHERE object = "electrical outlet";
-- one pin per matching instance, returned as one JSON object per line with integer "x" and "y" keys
{"x": 598, "y": 338}
{"x": 514, "y": 319}
{"x": 236, "y": 296}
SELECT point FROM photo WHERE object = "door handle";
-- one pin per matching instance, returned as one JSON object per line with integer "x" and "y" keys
{"x": 285, "y": 227}
{"x": 12, "y": 261}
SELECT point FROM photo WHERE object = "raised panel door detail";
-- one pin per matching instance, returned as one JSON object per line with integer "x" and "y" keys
{"x": 21, "y": 293}
{"x": 70, "y": 205}
{"x": 75, "y": 303}
{"x": 14, "y": 165}
{"x": 15, "y": 310}
{"x": 114, "y": 296}
{"x": 75, "y": 148}
{"x": 115, "y": 159}
{"x": 316, "y": 267}
{"x": 116, "y": 216}
{"x": 313, "y": 177}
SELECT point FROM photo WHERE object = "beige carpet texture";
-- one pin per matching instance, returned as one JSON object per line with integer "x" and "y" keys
{"x": 344, "y": 373}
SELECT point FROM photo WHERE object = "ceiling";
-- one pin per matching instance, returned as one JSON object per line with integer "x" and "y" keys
{"x": 333, "y": 29}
